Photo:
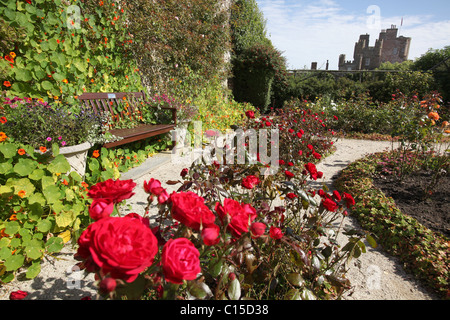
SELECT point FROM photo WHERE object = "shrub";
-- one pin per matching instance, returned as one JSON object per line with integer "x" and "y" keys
{"x": 228, "y": 232}
{"x": 38, "y": 123}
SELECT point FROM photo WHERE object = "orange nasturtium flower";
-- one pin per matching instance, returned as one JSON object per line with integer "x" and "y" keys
{"x": 43, "y": 149}
{"x": 21, "y": 152}
{"x": 21, "y": 193}
{"x": 13, "y": 217}
{"x": 3, "y": 120}
{"x": 433, "y": 116}
{"x": 95, "y": 154}
{"x": 7, "y": 83}
{"x": 3, "y": 136}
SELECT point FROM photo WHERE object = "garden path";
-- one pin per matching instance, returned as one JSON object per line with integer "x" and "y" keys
{"x": 374, "y": 276}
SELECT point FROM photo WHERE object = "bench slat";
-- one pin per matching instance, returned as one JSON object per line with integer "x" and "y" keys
{"x": 102, "y": 102}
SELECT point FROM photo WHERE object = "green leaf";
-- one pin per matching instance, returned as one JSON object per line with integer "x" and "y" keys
{"x": 35, "y": 211}
{"x": 44, "y": 225}
{"x": 52, "y": 44}
{"x": 52, "y": 194}
{"x": 21, "y": 184}
{"x": 9, "y": 150}
{"x": 64, "y": 219}
{"x": 54, "y": 244}
{"x": 37, "y": 174}
{"x": 59, "y": 165}
{"x": 33, "y": 270}
{"x": 14, "y": 262}
{"x": 25, "y": 167}
{"x": 34, "y": 249}
{"x": 23, "y": 75}
{"x": 12, "y": 227}
{"x": 372, "y": 242}
{"x": 295, "y": 279}
{"x": 5, "y": 167}
{"x": 47, "y": 85}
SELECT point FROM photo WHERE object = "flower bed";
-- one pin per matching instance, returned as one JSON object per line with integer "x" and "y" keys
{"x": 229, "y": 231}
{"x": 423, "y": 252}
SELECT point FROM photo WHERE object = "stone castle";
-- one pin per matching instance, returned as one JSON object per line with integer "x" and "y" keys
{"x": 388, "y": 48}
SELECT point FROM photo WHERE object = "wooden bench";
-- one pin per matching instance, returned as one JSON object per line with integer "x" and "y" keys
{"x": 109, "y": 102}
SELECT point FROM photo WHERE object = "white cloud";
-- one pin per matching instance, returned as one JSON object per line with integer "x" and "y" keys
{"x": 317, "y": 31}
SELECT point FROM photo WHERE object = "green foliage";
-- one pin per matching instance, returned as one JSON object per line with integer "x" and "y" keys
{"x": 43, "y": 207}
{"x": 39, "y": 124}
{"x": 68, "y": 49}
{"x": 248, "y": 26}
{"x": 254, "y": 72}
{"x": 438, "y": 62}
{"x": 172, "y": 39}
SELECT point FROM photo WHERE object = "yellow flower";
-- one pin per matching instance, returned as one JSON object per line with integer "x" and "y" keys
{"x": 12, "y": 54}
{"x": 3, "y": 136}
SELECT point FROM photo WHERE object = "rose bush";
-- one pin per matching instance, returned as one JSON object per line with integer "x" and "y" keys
{"x": 217, "y": 240}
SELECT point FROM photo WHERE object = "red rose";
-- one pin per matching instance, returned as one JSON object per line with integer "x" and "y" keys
{"x": 120, "y": 246}
{"x": 337, "y": 196}
{"x": 101, "y": 208}
{"x": 291, "y": 195}
{"x": 250, "y": 182}
{"x": 281, "y": 162}
{"x": 180, "y": 260}
{"x": 250, "y": 114}
{"x": 330, "y": 205}
{"x": 107, "y": 285}
{"x": 145, "y": 221}
{"x": 299, "y": 134}
{"x": 349, "y": 200}
{"x": 257, "y": 229}
{"x": 310, "y": 147}
{"x": 289, "y": 174}
{"x": 239, "y": 215}
{"x": 184, "y": 172}
{"x": 275, "y": 233}
{"x": 18, "y": 295}
{"x": 316, "y": 155}
{"x": 311, "y": 168}
{"x": 116, "y": 190}
{"x": 210, "y": 235}
{"x": 152, "y": 185}
{"x": 190, "y": 209}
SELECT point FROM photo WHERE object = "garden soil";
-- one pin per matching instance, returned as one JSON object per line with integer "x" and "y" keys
{"x": 373, "y": 276}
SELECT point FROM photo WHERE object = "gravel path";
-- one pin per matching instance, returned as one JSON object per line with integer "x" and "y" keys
{"x": 374, "y": 276}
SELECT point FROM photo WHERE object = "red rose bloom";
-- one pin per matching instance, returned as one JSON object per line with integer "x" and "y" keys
{"x": 312, "y": 170}
{"x": 330, "y": 205}
{"x": 349, "y": 200}
{"x": 210, "y": 235}
{"x": 275, "y": 233}
{"x": 336, "y": 195}
{"x": 184, "y": 172}
{"x": 291, "y": 195}
{"x": 250, "y": 182}
{"x": 257, "y": 229}
{"x": 240, "y": 216}
{"x": 18, "y": 295}
{"x": 152, "y": 185}
{"x": 250, "y": 114}
{"x": 120, "y": 246}
{"x": 289, "y": 174}
{"x": 101, "y": 208}
{"x": 116, "y": 190}
{"x": 190, "y": 209}
{"x": 180, "y": 260}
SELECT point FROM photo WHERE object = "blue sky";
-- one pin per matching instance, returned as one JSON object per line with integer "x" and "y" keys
{"x": 316, "y": 31}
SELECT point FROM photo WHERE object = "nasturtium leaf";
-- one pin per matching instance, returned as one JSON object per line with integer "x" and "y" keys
{"x": 37, "y": 174}
{"x": 47, "y": 181}
{"x": 11, "y": 227}
{"x": 54, "y": 244}
{"x": 33, "y": 270}
{"x": 64, "y": 219}
{"x": 35, "y": 211}
{"x": 46, "y": 85}
{"x": 25, "y": 167}
{"x": 34, "y": 249}
{"x": 59, "y": 165}
{"x": 53, "y": 194}
{"x": 14, "y": 262}
{"x": 5, "y": 167}
{"x": 44, "y": 225}
{"x": 23, "y": 184}
{"x": 9, "y": 150}
{"x": 5, "y": 252}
